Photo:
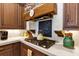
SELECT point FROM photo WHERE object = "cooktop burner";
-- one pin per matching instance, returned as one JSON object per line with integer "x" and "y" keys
{"x": 46, "y": 43}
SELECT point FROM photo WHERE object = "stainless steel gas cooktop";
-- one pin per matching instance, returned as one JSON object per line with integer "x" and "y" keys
{"x": 46, "y": 43}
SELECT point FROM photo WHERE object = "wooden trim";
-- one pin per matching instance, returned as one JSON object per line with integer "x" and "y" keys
{"x": 44, "y": 9}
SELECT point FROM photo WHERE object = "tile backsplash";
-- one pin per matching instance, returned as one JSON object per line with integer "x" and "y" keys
{"x": 14, "y": 32}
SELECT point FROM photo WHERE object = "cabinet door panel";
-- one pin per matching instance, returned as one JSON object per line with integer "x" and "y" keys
{"x": 7, "y": 52}
{"x": 21, "y": 22}
{"x": 16, "y": 49}
{"x": 25, "y": 48}
{"x": 0, "y": 14}
{"x": 71, "y": 15}
{"x": 78, "y": 13}
{"x": 23, "y": 51}
{"x": 9, "y": 15}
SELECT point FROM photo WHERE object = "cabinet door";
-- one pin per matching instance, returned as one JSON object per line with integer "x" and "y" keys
{"x": 25, "y": 50}
{"x": 6, "y": 50}
{"x": 9, "y": 15}
{"x": 37, "y": 53}
{"x": 21, "y": 22}
{"x": 16, "y": 49}
{"x": 71, "y": 15}
{"x": 0, "y": 14}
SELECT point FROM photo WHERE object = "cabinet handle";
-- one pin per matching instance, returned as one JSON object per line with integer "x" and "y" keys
{"x": 1, "y": 49}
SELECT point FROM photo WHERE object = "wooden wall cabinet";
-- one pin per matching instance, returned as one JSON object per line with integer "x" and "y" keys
{"x": 11, "y": 16}
{"x": 24, "y": 51}
{"x": 71, "y": 18}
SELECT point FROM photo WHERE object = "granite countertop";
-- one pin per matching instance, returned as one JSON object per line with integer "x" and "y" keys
{"x": 55, "y": 50}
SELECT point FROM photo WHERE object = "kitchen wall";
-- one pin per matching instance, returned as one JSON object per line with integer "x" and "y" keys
{"x": 30, "y": 25}
{"x": 57, "y": 22}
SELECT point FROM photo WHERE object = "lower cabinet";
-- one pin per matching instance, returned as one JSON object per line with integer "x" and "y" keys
{"x": 6, "y": 53}
{"x": 23, "y": 51}
{"x": 19, "y": 49}
{"x": 6, "y": 50}
{"x": 29, "y": 51}
{"x": 16, "y": 49}
{"x": 10, "y": 49}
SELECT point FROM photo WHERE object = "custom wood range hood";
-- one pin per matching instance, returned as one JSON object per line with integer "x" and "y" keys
{"x": 43, "y": 10}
